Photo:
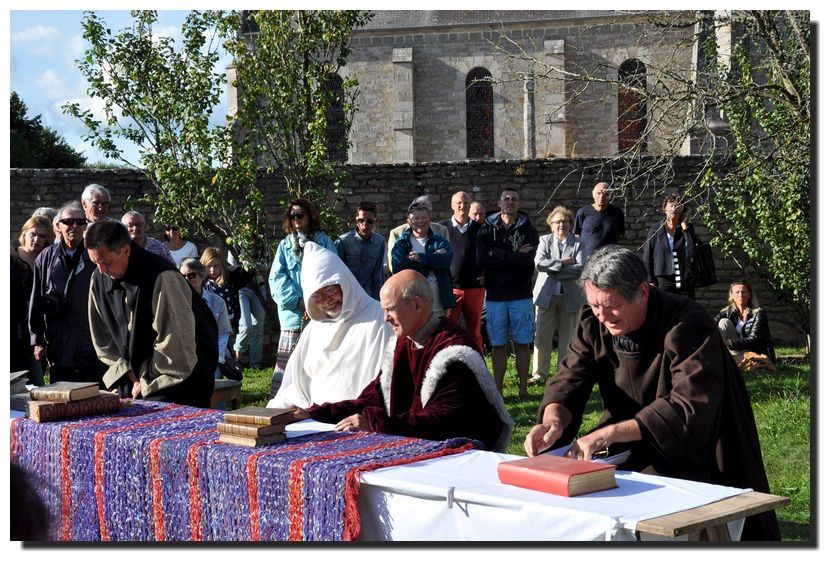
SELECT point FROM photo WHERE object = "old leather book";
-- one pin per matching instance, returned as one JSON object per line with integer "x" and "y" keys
{"x": 44, "y": 411}
{"x": 65, "y": 391}
{"x": 245, "y": 429}
{"x": 260, "y": 416}
{"x": 558, "y": 475}
{"x": 251, "y": 441}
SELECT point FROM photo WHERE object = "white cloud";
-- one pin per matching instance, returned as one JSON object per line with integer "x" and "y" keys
{"x": 41, "y": 39}
{"x": 36, "y": 33}
{"x": 51, "y": 83}
{"x": 168, "y": 31}
{"x": 76, "y": 47}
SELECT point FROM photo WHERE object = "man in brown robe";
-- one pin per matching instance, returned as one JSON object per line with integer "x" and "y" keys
{"x": 670, "y": 390}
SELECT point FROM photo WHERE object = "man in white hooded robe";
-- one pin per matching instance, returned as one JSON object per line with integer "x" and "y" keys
{"x": 340, "y": 351}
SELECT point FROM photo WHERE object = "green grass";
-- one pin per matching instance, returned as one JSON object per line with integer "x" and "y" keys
{"x": 781, "y": 404}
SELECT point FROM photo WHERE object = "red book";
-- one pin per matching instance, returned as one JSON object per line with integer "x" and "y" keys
{"x": 558, "y": 475}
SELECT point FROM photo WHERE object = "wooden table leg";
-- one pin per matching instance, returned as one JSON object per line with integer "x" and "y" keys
{"x": 717, "y": 533}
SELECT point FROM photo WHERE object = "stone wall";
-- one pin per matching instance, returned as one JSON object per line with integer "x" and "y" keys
{"x": 543, "y": 184}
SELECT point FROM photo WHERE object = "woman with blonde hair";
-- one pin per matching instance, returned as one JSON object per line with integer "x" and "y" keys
{"x": 36, "y": 235}
{"x": 743, "y": 324}
{"x": 218, "y": 282}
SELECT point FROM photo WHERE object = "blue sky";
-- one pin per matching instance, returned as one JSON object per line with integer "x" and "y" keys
{"x": 43, "y": 48}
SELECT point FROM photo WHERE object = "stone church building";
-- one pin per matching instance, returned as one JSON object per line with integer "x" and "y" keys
{"x": 469, "y": 85}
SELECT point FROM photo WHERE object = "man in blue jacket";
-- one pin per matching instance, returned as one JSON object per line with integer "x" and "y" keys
{"x": 506, "y": 246}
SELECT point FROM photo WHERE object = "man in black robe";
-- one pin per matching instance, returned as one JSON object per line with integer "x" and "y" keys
{"x": 670, "y": 390}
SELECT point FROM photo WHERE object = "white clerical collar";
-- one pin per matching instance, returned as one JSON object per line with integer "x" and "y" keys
{"x": 420, "y": 337}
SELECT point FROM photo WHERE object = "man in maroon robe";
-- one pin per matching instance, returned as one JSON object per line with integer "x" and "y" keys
{"x": 670, "y": 390}
{"x": 433, "y": 384}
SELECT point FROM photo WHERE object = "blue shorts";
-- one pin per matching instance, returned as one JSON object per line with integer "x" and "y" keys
{"x": 513, "y": 319}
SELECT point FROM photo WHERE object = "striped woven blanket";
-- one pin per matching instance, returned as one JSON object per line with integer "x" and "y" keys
{"x": 156, "y": 471}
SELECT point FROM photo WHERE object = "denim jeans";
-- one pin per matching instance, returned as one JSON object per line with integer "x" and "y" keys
{"x": 251, "y": 324}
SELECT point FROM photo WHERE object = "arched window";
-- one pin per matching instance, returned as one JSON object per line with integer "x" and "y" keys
{"x": 336, "y": 119}
{"x": 631, "y": 104}
{"x": 479, "y": 87}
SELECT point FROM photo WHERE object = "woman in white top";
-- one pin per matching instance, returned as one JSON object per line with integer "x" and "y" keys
{"x": 179, "y": 248}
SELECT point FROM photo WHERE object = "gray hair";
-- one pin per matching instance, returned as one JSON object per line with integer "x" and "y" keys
{"x": 73, "y": 205}
{"x": 613, "y": 266}
{"x": 46, "y": 211}
{"x": 196, "y": 266}
{"x": 418, "y": 286}
{"x": 92, "y": 188}
{"x": 134, "y": 213}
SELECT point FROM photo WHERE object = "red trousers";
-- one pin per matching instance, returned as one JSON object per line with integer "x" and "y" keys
{"x": 470, "y": 303}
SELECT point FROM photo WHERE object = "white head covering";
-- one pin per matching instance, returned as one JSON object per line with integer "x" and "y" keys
{"x": 335, "y": 359}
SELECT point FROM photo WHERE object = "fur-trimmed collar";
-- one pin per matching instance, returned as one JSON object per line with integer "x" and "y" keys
{"x": 435, "y": 372}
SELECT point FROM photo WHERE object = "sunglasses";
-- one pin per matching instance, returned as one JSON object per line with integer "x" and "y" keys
{"x": 189, "y": 276}
{"x": 369, "y": 221}
{"x": 73, "y": 221}
{"x": 297, "y": 215}
{"x": 174, "y": 228}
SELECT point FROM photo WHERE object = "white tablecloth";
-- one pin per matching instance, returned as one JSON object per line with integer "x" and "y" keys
{"x": 460, "y": 498}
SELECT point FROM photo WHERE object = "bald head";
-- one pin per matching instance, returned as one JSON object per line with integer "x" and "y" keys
{"x": 461, "y": 207}
{"x": 406, "y": 300}
{"x": 601, "y": 194}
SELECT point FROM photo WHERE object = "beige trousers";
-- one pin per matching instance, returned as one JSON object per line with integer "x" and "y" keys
{"x": 548, "y": 321}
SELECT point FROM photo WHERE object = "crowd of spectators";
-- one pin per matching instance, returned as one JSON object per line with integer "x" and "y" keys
{"x": 514, "y": 291}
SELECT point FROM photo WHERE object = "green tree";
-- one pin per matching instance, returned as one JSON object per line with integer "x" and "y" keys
{"x": 761, "y": 202}
{"x": 282, "y": 72}
{"x": 161, "y": 98}
{"x": 33, "y": 145}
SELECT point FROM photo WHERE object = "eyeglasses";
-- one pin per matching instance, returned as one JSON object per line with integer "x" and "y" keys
{"x": 73, "y": 221}
{"x": 561, "y": 222}
{"x": 98, "y": 204}
{"x": 297, "y": 215}
{"x": 369, "y": 221}
{"x": 135, "y": 225}
{"x": 326, "y": 292}
{"x": 189, "y": 276}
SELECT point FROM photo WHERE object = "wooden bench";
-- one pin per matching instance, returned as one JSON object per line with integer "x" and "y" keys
{"x": 708, "y": 522}
{"x": 225, "y": 391}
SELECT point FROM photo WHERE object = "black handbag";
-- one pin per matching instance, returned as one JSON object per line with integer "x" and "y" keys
{"x": 704, "y": 266}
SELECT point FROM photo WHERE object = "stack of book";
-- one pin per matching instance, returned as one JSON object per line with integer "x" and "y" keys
{"x": 70, "y": 400}
{"x": 255, "y": 426}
